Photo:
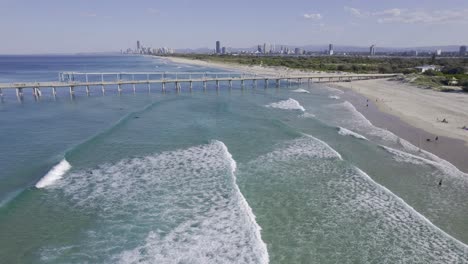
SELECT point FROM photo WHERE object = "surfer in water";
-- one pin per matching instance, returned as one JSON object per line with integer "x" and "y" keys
{"x": 440, "y": 182}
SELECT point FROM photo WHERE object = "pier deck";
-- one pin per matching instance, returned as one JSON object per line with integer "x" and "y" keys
{"x": 71, "y": 80}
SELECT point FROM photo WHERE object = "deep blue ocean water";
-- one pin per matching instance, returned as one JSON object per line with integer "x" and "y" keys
{"x": 244, "y": 175}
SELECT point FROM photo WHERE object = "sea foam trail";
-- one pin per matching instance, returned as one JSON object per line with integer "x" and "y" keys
{"x": 334, "y": 97}
{"x": 54, "y": 174}
{"x": 346, "y": 132}
{"x": 289, "y": 104}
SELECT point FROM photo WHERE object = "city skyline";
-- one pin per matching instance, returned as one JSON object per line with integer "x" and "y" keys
{"x": 55, "y": 27}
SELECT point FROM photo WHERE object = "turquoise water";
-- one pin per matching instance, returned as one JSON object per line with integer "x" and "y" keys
{"x": 253, "y": 175}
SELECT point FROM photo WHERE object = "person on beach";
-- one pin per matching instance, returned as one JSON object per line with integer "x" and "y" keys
{"x": 440, "y": 182}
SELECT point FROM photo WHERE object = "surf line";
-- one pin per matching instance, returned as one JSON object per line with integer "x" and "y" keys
{"x": 264, "y": 257}
{"x": 64, "y": 166}
{"x": 338, "y": 155}
{"x": 412, "y": 210}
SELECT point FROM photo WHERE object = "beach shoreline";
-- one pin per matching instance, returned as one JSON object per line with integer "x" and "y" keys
{"x": 257, "y": 69}
{"x": 407, "y": 111}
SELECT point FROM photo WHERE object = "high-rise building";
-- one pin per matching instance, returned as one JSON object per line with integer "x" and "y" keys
{"x": 438, "y": 52}
{"x": 462, "y": 51}
{"x": 298, "y": 51}
{"x": 259, "y": 48}
{"x": 266, "y": 48}
{"x": 330, "y": 49}
{"x": 223, "y": 50}
{"x": 372, "y": 50}
{"x": 138, "y": 45}
{"x": 218, "y": 47}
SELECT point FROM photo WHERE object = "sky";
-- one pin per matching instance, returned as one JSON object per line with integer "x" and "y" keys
{"x": 66, "y": 26}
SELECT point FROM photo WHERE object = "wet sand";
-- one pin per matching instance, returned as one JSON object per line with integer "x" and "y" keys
{"x": 453, "y": 150}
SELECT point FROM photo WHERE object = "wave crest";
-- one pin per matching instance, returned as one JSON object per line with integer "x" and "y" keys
{"x": 54, "y": 174}
{"x": 289, "y": 104}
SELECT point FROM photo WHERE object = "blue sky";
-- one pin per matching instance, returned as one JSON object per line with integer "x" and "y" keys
{"x": 57, "y": 26}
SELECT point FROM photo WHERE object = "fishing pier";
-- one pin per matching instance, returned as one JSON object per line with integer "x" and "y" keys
{"x": 166, "y": 80}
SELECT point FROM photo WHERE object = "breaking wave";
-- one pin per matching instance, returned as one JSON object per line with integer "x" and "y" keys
{"x": 181, "y": 206}
{"x": 301, "y": 91}
{"x": 289, "y": 104}
{"x": 345, "y": 132}
{"x": 54, "y": 174}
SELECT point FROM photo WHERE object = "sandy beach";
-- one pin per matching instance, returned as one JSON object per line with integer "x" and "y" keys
{"x": 422, "y": 108}
{"x": 273, "y": 71}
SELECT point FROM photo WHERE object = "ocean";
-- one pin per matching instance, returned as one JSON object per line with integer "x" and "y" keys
{"x": 244, "y": 175}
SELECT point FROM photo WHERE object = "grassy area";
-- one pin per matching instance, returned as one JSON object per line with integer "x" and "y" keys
{"x": 443, "y": 80}
{"x": 356, "y": 64}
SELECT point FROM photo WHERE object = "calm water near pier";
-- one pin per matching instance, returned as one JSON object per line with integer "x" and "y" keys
{"x": 253, "y": 175}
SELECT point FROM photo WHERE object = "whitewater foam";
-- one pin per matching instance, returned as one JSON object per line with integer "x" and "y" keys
{"x": 332, "y": 150}
{"x": 307, "y": 115}
{"x": 340, "y": 207}
{"x": 359, "y": 122}
{"x": 346, "y": 132}
{"x": 181, "y": 206}
{"x": 338, "y": 91}
{"x": 246, "y": 207}
{"x": 413, "y": 211}
{"x": 54, "y": 174}
{"x": 289, "y": 104}
{"x": 301, "y": 91}
{"x": 440, "y": 164}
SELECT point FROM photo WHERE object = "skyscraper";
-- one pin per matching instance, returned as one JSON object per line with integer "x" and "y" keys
{"x": 462, "y": 51}
{"x": 223, "y": 50}
{"x": 218, "y": 47}
{"x": 372, "y": 50}
{"x": 266, "y": 48}
{"x": 138, "y": 45}
{"x": 330, "y": 49}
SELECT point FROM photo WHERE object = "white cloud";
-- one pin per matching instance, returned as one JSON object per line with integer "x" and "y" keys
{"x": 316, "y": 16}
{"x": 423, "y": 17}
{"x": 355, "y": 12}
{"x": 389, "y": 12}
{"x": 407, "y": 16}
{"x": 153, "y": 11}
